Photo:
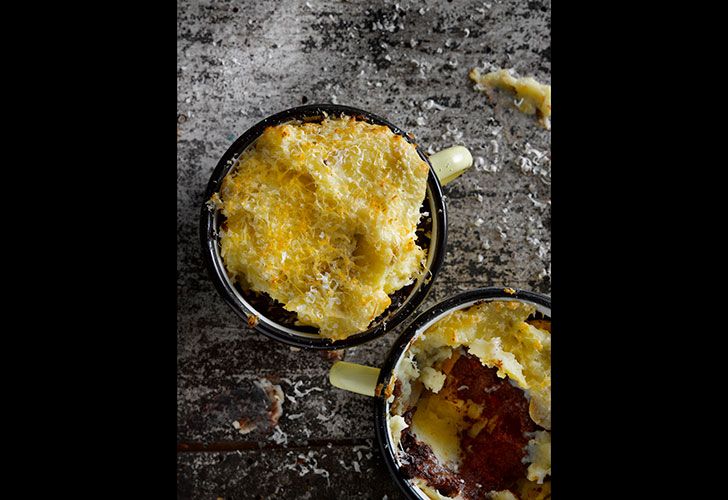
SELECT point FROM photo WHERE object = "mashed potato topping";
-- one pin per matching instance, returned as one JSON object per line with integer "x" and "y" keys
{"x": 463, "y": 386}
{"x": 532, "y": 97}
{"x": 322, "y": 218}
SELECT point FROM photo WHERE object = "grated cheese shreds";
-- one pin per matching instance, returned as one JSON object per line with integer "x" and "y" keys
{"x": 322, "y": 218}
{"x": 532, "y": 97}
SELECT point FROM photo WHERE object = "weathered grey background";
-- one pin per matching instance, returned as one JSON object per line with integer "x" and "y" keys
{"x": 238, "y": 62}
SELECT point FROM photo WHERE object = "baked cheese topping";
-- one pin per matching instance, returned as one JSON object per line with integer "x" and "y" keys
{"x": 532, "y": 97}
{"x": 322, "y": 218}
{"x": 439, "y": 379}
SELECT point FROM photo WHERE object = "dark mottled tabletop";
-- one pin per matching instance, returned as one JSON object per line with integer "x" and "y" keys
{"x": 238, "y": 62}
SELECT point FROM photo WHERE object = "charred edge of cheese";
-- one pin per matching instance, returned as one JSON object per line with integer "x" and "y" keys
{"x": 497, "y": 333}
{"x": 532, "y": 97}
{"x": 322, "y": 217}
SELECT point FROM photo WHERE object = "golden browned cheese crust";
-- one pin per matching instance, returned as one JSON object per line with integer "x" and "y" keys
{"x": 322, "y": 218}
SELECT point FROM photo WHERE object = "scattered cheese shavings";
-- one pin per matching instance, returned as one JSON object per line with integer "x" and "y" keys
{"x": 430, "y": 104}
{"x": 538, "y": 204}
{"x": 324, "y": 418}
{"x": 300, "y": 394}
{"x": 479, "y": 162}
{"x": 452, "y": 133}
{"x": 308, "y": 463}
{"x": 279, "y": 436}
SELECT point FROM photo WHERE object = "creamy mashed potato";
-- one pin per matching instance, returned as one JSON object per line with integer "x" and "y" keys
{"x": 448, "y": 385}
{"x": 322, "y": 217}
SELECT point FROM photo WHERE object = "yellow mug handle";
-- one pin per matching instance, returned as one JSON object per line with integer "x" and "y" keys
{"x": 353, "y": 377}
{"x": 450, "y": 163}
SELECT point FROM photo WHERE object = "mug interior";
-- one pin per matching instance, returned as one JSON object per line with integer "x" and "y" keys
{"x": 271, "y": 318}
{"x": 464, "y": 300}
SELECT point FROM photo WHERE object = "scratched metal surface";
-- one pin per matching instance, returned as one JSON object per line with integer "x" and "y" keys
{"x": 238, "y": 62}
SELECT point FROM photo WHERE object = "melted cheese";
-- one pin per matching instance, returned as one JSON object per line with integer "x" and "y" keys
{"x": 322, "y": 218}
{"x": 532, "y": 97}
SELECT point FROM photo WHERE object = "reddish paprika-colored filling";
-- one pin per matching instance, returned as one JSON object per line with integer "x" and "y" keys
{"x": 493, "y": 459}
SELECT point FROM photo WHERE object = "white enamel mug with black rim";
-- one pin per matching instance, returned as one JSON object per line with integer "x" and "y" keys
{"x": 268, "y": 317}
{"x": 371, "y": 381}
